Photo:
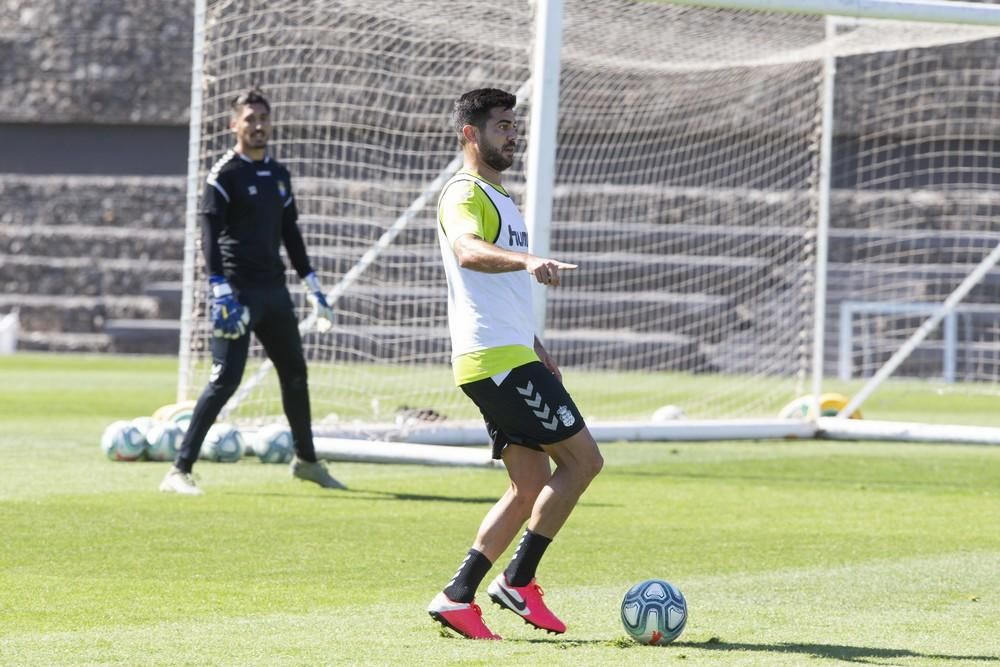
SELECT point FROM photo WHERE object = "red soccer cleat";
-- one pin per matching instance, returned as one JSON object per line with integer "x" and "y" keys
{"x": 526, "y": 602}
{"x": 465, "y": 618}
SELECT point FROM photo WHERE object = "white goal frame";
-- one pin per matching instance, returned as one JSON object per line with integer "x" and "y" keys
{"x": 544, "y": 93}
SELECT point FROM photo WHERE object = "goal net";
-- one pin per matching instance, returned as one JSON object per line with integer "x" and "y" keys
{"x": 689, "y": 187}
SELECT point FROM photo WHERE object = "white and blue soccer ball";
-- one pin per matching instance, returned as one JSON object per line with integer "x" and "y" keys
{"x": 223, "y": 444}
{"x": 273, "y": 444}
{"x": 654, "y": 612}
{"x": 163, "y": 440}
{"x": 143, "y": 424}
{"x": 122, "y": 441}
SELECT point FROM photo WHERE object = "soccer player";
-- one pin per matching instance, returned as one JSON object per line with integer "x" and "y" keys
{"x": 502, "y": 366}
{"x": 247, "y": 212}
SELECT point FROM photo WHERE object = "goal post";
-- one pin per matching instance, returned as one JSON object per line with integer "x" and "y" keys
{"x": 726, "y": 175}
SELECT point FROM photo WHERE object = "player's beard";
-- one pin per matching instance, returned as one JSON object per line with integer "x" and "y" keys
{"x": 495, "y": 159}
{"x": 257, "y": 140}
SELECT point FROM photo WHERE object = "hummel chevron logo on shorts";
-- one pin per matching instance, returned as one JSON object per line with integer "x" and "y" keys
{"x": 534, "y": 399}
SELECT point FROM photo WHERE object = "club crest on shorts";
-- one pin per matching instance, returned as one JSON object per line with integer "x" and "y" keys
{"x": 565, "y": 416}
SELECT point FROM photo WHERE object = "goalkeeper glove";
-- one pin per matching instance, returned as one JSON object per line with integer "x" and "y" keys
{"x": 229, "y": 318}
{"x": 322, "y": 309}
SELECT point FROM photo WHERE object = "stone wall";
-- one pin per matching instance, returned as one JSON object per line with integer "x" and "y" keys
{"x": 96, "y": 61}
{"x": 79, "y": 252}
{"x": 129, "y": 61}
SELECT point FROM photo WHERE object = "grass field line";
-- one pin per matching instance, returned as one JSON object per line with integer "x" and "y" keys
{"x": 747, "y": 612}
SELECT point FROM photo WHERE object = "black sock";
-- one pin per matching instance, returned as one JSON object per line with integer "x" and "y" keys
{"x": 522, "y": 567}
{"x": 470, "y": 574}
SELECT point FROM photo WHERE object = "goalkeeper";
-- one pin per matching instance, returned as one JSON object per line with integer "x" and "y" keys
{"x": 247, "y": 212}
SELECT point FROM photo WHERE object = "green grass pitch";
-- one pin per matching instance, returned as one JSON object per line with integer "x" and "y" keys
{"x": 789, "y": 553}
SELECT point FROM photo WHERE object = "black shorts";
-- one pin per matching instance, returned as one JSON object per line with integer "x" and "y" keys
{"x": 529, "y": 408}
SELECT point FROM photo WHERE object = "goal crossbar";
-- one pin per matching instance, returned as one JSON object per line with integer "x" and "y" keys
{"x": 968, "y": 13}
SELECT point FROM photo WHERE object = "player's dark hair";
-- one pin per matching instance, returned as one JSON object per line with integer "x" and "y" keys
{"x": 473, "y": 108}
{"x": 252, "y": 96}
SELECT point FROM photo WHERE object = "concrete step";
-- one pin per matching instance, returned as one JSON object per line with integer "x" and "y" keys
{"x": 597, "y": 349}
{"x": 49, "y": 341}
{"x": 134, "y": 202}
{"x": 689, "y": 314}
{"x": 910, "y": 282}
{"x": 153, "y": 336}
{"x": 75, "y": 314}
{"x": 168, "y": 296}
{"x": 82, "y": 276}
{"x": 598, "y": 271}
{"x": 89, "y": 241}
{"x": 678, "y": 238}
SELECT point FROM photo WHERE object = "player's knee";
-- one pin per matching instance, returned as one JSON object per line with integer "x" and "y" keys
{"x": 587, "y": 467}
{"x": 595, "y": 464}
{"x": 520, "y": 507}
{"x": 525, "y": 495}
{"x": 587, "y": 460}
{"x": 223, "y": 388}
{"x": 297, "y": 381}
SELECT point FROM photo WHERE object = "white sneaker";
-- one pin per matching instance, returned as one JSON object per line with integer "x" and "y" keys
{"x": 180, "y": 482}
{"x": 315, "y": 472}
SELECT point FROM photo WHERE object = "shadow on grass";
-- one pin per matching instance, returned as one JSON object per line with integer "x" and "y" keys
{"x": 393, "y": 495}
{"x": 555, "y": 642}
{"x": 369, "y": 495}
{"x": 859, "y": 654}
{"x": 491, "y": 500}
{"x": 372, "y": 494}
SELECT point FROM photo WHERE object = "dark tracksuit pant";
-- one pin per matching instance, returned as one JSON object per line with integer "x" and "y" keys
{"x": 273, "y": 321}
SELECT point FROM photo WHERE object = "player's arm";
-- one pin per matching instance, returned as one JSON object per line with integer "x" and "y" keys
{"x": 295, "y": 246}
{"x": 291, "y": 236}
{"x": 476, "y": 254}
{"x": 212, "y": 215}
{"x": 467, "y": 221}
{"x": 229, "y": 318}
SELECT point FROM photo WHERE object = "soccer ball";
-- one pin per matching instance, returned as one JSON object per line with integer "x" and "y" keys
{"x": 163, "y": 440}
{"x": 223, "y": 443}
{"x": 273, "y": 444}
{"x": 829, "y": 405}
{"x": 668, "y": 413}
{"x": 654, "y": 612}
{"x": 121, "y": 441}
{"x": 143, "y": 424}
{"x": 179, "y": 413}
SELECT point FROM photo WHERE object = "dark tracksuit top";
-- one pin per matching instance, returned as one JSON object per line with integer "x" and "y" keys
{"x": 247, "y": 212}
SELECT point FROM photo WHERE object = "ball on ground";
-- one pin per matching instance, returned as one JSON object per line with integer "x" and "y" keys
{"x": 654, "y": 612}
{"x": 273, "y": 444}
{"x": 122, "y": 441}
{"x": 668, "y": 413}
{"x": 143, "y": 424}
{"x": 163, "y": 440}
{"x": 804, "y": 407}
{"x": 179, "y": 413}
{"x": 223, "y": 444}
